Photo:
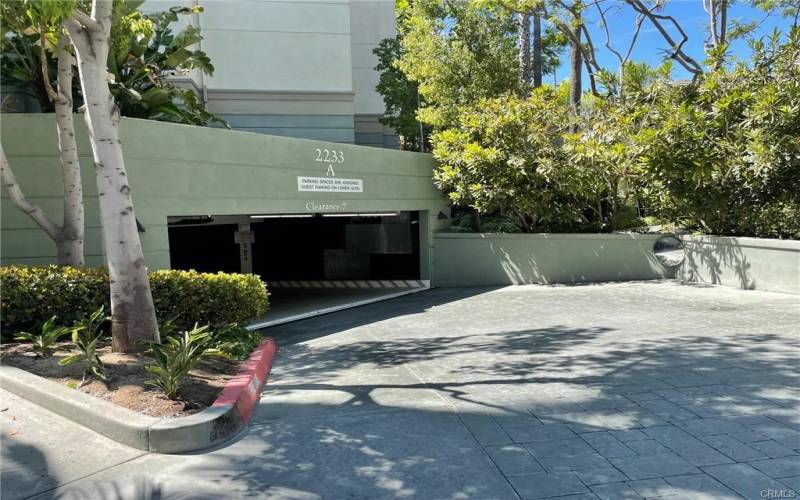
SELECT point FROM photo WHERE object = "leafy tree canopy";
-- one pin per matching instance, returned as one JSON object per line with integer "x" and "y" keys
{"x": 146, "y": 61}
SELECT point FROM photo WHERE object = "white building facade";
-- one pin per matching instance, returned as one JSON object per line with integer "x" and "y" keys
{"x": 296, "y": 68}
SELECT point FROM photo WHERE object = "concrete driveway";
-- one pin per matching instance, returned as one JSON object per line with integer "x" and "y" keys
{"x": 630, "y": 390}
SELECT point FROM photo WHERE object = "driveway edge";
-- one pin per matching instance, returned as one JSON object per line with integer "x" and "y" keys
{"x": 220, "y": 421}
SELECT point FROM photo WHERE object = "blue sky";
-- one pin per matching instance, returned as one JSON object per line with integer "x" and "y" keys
{"x": 650, "y": 44}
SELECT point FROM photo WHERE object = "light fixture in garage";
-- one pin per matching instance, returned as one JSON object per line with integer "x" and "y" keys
{"x": 282, "y": 216}
{"x": 383, "y": 214}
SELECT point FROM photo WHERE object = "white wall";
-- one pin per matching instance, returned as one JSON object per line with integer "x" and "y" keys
{"x": 278, "y": 45}
{"x": 371, "y": 21}
{"x": 294, "y": 67}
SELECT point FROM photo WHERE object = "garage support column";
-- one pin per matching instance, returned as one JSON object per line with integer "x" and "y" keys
{"x": 245, "y": 238}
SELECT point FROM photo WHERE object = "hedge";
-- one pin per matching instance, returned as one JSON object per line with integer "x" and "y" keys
{"x": 30, "y": 295}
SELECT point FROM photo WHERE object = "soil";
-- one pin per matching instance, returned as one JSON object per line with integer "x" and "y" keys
{"x": 126, "y": 375}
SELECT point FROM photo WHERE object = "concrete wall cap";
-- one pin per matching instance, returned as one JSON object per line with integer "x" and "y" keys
{"x": 550, "y": 236}
{"x": 742, "y": 241}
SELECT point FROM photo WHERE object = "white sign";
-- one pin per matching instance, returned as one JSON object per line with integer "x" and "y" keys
{"x": 244, "y": 237}
{"x": 330, "y": 185}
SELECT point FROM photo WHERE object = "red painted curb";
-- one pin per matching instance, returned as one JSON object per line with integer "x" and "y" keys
{"x": 244, "y": 389}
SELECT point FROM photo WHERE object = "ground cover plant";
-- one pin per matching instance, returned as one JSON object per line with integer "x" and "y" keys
{"x": 86, "y": 334}
{"x": 177, "y": 355}
{"x": 44, "y": 341}
{"x": 179, "y": 376}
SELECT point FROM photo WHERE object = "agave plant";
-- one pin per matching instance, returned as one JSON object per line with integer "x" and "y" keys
{"x": 86, "y": 333}
{"x": 42, "y": 343}
{"x": 177, "y": 355}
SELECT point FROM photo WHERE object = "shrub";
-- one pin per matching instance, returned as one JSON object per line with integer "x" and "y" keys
{"x": 31, "y": 295}
{"x": 191, "y": 297}
{"x": 236, "y": 341}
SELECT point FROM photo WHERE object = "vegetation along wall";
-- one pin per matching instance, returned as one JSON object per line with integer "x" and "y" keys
{"x": 180, "y": 170}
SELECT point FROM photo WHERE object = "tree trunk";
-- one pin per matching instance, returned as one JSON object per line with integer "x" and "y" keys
{"x": 537, "y": 50}
{"x": 475, "y": 220}
{"x": 524, "y": 30}
{"x": 69, "y": 236}
{"x": 576, "y": 70}
{"x": 19, "y": 199}
{"x": 70, "y": 246}
{"x": 132, "y": 311}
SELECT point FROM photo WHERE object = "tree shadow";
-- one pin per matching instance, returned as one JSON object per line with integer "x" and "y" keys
{"x": 396, "y": 413}
{"x": 713, "y": 260}
{"x": 367, "y": 445}
{"x": 549, "y": 264}
{"x": 25, "y": 469}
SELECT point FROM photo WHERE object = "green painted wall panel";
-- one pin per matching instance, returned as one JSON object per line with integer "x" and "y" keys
{"x": 515, "y": 259}
{"x": 747, "y": 263}
{"x": 179, "y": 170}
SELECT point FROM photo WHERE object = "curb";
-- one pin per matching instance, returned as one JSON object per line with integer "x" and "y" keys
{"x": 244, "y": 389}
{"x": 220, "y": 421}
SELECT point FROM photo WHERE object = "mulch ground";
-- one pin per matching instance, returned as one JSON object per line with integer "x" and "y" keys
{"x": 126, "y": 376}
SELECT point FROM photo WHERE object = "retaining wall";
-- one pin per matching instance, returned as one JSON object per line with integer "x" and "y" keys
{"x": 748, "y": 263}
{"x": 467, "y": 259}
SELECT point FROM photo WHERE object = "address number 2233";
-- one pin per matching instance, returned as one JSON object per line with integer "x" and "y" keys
{"x": 329, "y": 156}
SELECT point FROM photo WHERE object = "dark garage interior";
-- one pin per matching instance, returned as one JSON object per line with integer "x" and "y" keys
{"x": 303, "y": 247}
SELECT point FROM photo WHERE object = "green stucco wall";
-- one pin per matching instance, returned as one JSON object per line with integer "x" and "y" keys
{"x": 517, "y": 259}
{"x": 747, "y": 263}
{"x": 183, "y": 170}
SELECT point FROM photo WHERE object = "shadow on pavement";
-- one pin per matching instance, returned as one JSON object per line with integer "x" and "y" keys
{"x": 328, "y": 324}
{"x": 529, "y": 413}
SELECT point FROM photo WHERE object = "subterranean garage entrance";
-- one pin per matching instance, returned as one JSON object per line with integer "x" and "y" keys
{"x": 313, "y": 263}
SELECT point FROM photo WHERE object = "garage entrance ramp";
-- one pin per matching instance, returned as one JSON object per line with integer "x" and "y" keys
{"x": 296, "y": 300}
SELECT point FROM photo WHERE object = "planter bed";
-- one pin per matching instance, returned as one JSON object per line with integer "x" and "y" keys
{"x": 217, "y": 399}
{"x": 126, "y": 376}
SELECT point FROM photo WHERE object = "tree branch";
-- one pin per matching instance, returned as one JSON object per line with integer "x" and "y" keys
{"x": 48, "y": 87}
{"x": 588, "y": 53}
{"x": 20, "y": 201}
{"x": 88, "y": 22}
{"x": 678, "y": 54}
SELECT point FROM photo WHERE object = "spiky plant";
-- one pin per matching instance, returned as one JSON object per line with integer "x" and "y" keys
{"x": 85, "y": 334}
{"x": 42, "y": 343}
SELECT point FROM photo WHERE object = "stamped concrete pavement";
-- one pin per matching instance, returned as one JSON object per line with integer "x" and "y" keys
{"x": 627, "y": 390}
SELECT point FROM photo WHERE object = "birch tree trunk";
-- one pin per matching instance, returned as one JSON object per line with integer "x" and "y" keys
{"x": 132, "y": 311}
{"x": 69, "y": 236}
{"x": 70, "y": 245}
{"x": 576, "y": 70}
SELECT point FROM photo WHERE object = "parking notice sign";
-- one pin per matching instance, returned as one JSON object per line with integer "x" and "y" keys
{"x": 330, "y": 185}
